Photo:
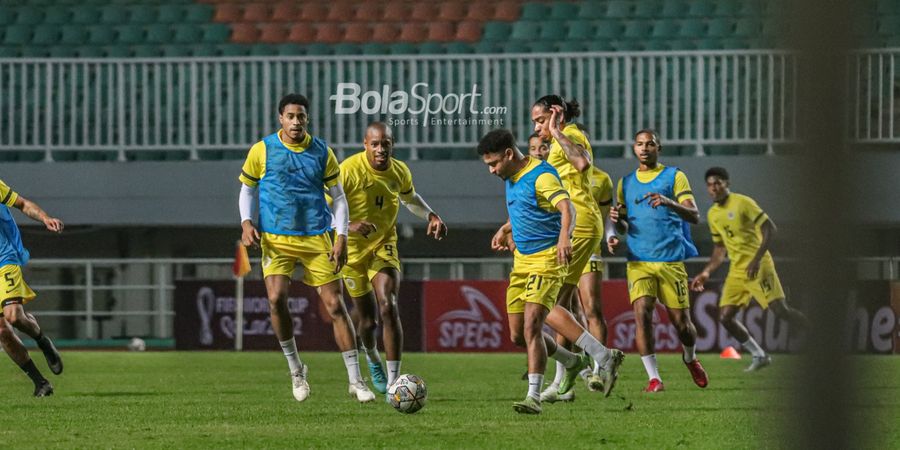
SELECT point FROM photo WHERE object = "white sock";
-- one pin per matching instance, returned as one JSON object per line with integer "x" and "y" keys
{"x": 650, "y": 366}
{"x": 351, "y": 362}
{"x": 690, "y": 353}
{"x": 567, "y": 358}
{"x": 593, "y": 347}
{"x": 560, "y": 372}
{"x": 753, "y": 347}
{"x": 535, "y": 381}
{"x": 596, "y": 369}
{"x": 393, "y": 368}
{"x": 372, "y": 355}
{"x": 289, "y": 347}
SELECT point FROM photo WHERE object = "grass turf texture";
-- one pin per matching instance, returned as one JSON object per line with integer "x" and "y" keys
{"x": 229, "y": 400}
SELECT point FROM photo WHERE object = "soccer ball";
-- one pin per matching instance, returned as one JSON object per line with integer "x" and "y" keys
{"x": 137, "y": 345}
{"x": 408, "y": 393}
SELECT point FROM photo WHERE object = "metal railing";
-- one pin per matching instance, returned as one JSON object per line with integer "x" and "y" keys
{"x": 137, "y": 294}
{"x": 694, "y": 98}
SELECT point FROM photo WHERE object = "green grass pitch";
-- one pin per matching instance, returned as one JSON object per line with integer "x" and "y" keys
{"x": 180, "y": 400}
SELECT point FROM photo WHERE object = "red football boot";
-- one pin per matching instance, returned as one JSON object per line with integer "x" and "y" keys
{"x": 697, "y": 372}
{"x": 654, "y": 386}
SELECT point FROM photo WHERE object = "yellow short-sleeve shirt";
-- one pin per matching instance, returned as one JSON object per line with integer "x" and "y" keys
{"x": 8, "y": 196}
{"x": 577, "y": 184}
{"x": 735, "y": 224}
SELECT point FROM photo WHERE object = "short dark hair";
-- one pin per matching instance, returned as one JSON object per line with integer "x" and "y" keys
{"x": 293, "y": 99}
{"x": 571, "y": 109}
{"x": 533, "y": 135}
{"x": 496, "y": 141}
{"x": 719, "y": 172}
{"x": 651, "y": 132}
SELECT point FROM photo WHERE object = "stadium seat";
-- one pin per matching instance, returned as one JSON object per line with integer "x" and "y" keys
{"x": 285, "y": 11}
{"x": 198, "y": 13}
{"x": 480, "y": 11}
{"x": 318, "y": 48}
{"x": 580, "y": 30}
{"x": 329, "y": 33}
{"x": 369, "y": 12}
{"x": 507, "y": 10}
{"x": 496, "y": 31}
{"x": 402, "y": 48}
{"x": 720, "y": 28}
{"x": 203, "y": 50}
{"x": 515, "y": 47}
{"x": 214, "y": 33}
{"x": 129, "y": 35}
{"x": 186, "y": 34}
{"x": 17, "y": 35}
{"x": 244, "y": 33}
{"x": 385, "y": 32}
{"x": 432, "y": 48}
{"x": 7, "y": 16}
{"x": 374, "y": 48}
{"x": 665, "y": 29}
{"x": 543, "y": 47}
{"x": 176, "y": 51}
{"x": 73, "y": 34}
{"x": 301, "y": 34}
{"x": 636, "y": 29}
{"x": 157, "y": 34}
{"x": 358, "y": 32}
{"x": 458, "y": 48}
{"x": 9, "y": 52}
{"x": 487, "y": 47}
{"x": 889, "y": 25}
{"x": 101, "y": 35}
{"x": 29, "y": 16}
{"x": 45, "y": 35}
{"x": 263, "y": 49}
{"x": 413, "y": 32}
{"x": 535, "y": 12}
{"x": 727, "y": 8}
{"x": 232, "y": 50}
{"x": 396, "y": 11}
{"x": 273, "y": 33}
{"x": 116, "y": 51}
{"x": 171, "y": 13}
{"x": 701, "y": 8}
{"x": 143, "y": 14}
{"x": 620, "y": 9}
{"x": 691, "y": 29}
{"x": 345, "y": 48}
{"x": 57, "y": 16}
{"x": 647, "y": 8}
{"x": 452, "y": 11}
{"x": 441, "y": 31}
{"x": 423, "y": 12}
{"x": 63, "y": 51}
{"x": 314, "y": 12}
{"x": 524, "y": 31}
{"x": 751, "y": 27}
{"x": 289, "y": 49}
{"x": 553, "y": 30}
{"x": 146, "y": 51}
{"x": 341, "y": 11}
{"x": 469, "y": 31}
{"x": 227, "y": 13}
{"x": 256, "y": 12}
{"x": 673, "y": 9}
{"x": 608, "y": 29}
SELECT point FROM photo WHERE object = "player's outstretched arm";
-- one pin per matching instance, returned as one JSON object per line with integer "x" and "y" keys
{"x": 576, "y": 154}
{"x": 567, "y": 227}
{"x": 715, "y": 260}
{"x": 416, "y": 205}
{"x": 32, "y": 210}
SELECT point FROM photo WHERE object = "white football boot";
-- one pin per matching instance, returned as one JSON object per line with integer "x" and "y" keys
{"x": 301, "y": 387}
{"x": 361, "y": 392}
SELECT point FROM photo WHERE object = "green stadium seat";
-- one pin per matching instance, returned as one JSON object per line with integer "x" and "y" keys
{"x": 233, "y": 50}
{"x": 374, "y": 48}
{"x": 751, "y": 27}
{"x": 432, "y": 48}
{"x": 496, "y": 31}
{"x": 89, "y": 51}
{"x": 45, "y": 35}
{"x": 458, "y": 48}
{"x": 73, "y": 35}
{"x": 198, "y": 13}
{"x": 598, "y": 45}
{"x": 620, "y": 9}
{"x": 673, "y": 9}
{"x": 117, "y": 51}
{"x": 346, "y": 48}
{"x": 29, "y": 16}
{"x": 175, "y": 51}
{"x": 186, "y": 34}
{"x": 101, "y": 35}
{"x": 553, "y": 31}
{"x": 720, "y": 28}
{"x": 692, "y": 29}
{"x": 17, "y": 35}
{"x": 111, "y": 15}
{"x": 591, "y": 10}
{"x": 289, "y": 49}
{"x": 215, "y": 33}
{"x": 146, "y": 51}
{"x": 143, "y": 13}
{"x": 524, "y": 31}
{"x": 728, "y": 8}
{"x": 753, "y": 8}
{"x": 487, "y": 47}
{"x": 9, "y": 52}
{"x": 171, "y": 13}
{"x": 57, "y": 16}
{"x": 63, "y": 51}
{"x": 129, "y": 35}
{"x": 263, "y": 50}
{"x": 535, "y": 12}
{"x": 889, "y": 25}
{"x": 665, "y": 29}
{"x": 543, "y": 47}
{"x": 157, "y": 34}
{"x": 608, "y": 29}
{"x": 701, "y": 8}
{"x": 7, "y": 16}
{"x": 402, "y": 48}
{"x": 635, "y": 29}
{"x": 203, "y": 50}
{"x": 647, "y": 8}
{"x": 657, "y": 45}
{"x": 515, "y": 47}
{"x": 318, "y": 49}
{"x": 580, "y": 30}
{"x": 564, "y": 11}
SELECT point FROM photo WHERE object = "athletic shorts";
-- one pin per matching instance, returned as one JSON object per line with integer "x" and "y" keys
{"x": 358, "y": 275}
{"x": 13, "y": 286}
{"x": 535, "y": 278}
{"x": 281, "y": 253}
{"x": 666, "y": 281}
{"x": 582, "y": 251}
{"x": 765, "y": 288}
{"x": 594, "y": 265}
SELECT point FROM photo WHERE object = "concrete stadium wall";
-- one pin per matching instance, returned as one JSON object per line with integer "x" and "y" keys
{"x": 205, "y": 193}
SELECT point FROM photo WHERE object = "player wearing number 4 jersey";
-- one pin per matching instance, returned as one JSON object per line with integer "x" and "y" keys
{"x": 375, "y": 184}
{"x": 542, "y": 219}
{"x": 14, "y": 293}
{"x": 656, "y": 203}
{"x": 740, "y": 228}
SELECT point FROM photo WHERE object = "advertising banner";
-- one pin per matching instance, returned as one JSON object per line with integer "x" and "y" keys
{"x": 466, "y": 316}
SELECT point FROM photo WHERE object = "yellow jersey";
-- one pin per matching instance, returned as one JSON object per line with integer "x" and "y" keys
{"x": 601, "y": 191}
{"x": 682, "y": 186}
{"x": 578, "y": 184}
{"x": 736, "y": 225}
{"x": 374, "y": 196}
{"x": 547, "y": 188}
{"x": 8, "y": 196}
{"x": 255, "y": 166}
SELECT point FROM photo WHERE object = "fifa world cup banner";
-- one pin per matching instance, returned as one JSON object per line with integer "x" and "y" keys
{"x": 205, "y": 317}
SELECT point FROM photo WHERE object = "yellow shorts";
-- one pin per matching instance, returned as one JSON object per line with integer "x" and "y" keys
{"x": 594, "y": 265}
{"x": 765, "y": 288}
{"x": 359, "y": 271}
{"x": 13, "y": 286}
{"x": 582, "y": 251}
{"x": 666, "y": 281}
{"x": 280, "y": 254}
{"x": 535, "y": 278}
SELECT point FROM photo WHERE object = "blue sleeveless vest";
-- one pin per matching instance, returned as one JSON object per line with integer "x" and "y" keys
{"x": 655, "y": 235}
{"x": 292, "y": 190}
{"x": 11, "y": 249}
{"x": 533, "y": 228}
